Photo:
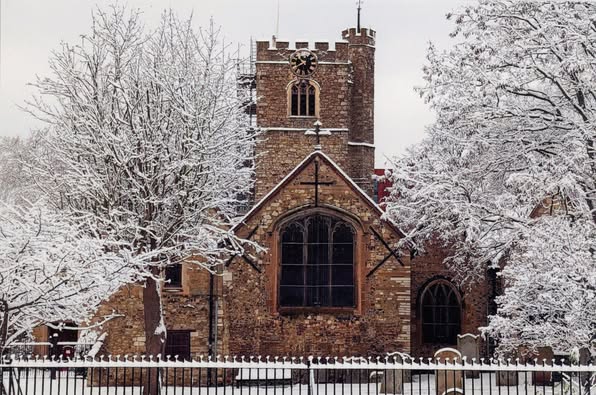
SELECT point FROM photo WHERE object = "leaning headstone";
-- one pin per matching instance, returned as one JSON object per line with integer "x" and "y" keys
{"x": 470, "y": 350}
{"x": 545, "y": 356}
{"x": 448, "y": 379}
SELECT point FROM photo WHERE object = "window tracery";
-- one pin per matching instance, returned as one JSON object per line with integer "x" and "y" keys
{"x": 317, "y": 263}
{"x": 441, "y": 313}
{"x": 303, "y": 97}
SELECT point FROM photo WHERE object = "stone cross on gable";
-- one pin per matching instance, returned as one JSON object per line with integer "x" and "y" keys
{"x": 318, "y": 133}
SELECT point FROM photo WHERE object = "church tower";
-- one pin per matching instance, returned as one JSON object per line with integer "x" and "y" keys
{"x": 328, "y": 279}
{"x": 297, "y": 87}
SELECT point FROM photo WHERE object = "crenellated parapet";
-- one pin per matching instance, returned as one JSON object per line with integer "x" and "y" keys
{"x": 363, "y": 37}
{"x": 276, "y": 50}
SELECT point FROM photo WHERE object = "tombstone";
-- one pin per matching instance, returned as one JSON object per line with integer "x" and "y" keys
{"x": 454, "y": 391}
{"x": 506, "y": 378}
{"x": 393, "y": 379}
{"x": 447, "y": 381}
{"x": 584, "y": 359}
{"x": 543, "y": 378}
{"x": 468, "y": 346}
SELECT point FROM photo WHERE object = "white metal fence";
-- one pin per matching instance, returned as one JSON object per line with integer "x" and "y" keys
{"x": 293, "y": 376}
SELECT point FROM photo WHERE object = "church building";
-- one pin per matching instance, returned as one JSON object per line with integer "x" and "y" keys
{"x": 329, "y": 280}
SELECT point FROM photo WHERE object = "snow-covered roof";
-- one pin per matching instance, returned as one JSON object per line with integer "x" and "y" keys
{"x": 299, "y": 168}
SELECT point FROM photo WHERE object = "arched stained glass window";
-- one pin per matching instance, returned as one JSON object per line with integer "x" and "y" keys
{"x": 303, "y": 99}
{"x": 317, "y": 263}
{"x": 441, "y": 312}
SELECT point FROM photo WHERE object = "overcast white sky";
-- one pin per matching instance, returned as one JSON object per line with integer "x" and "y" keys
{"x": 32, "y": 28}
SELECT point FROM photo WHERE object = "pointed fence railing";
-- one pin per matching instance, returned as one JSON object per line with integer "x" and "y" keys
{"x": 397, "y": 374}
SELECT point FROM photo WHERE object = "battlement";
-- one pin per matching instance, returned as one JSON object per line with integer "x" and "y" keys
{"x": 364, "y": 37}
{"x": 276, "y": 50}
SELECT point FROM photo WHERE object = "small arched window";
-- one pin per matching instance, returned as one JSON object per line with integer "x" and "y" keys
{"x": 303, "y": 96}
{"x": 317, "y": 263}
{"x": 441, "y": 312}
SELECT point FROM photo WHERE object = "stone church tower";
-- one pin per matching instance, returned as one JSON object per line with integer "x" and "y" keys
{"x": 339, "y": 92}
{"x": 329, "y": 281}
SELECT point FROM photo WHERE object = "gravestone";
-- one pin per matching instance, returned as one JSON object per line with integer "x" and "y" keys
{"x": 454, "y": 391}
{"x": 544, "y": 378}
{"x": 393, "y": 379}
{"x": 468, "y": 346}
{"x": 508, "y": 378}
{"x": 584, "y": 359}
{"x": 448, "y": 380}
{"x": 505, "y": 378}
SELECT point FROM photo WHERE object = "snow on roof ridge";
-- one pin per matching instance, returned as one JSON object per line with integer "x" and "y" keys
{"x": 273, "y": 190}
{"x": 349, "y": 179}
{"x": 295, "y": 170}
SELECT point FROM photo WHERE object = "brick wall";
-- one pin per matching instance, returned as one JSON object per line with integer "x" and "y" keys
{"x": 379, "y": 323}
{"x": 345, "y": 76}
{"x": 185, "y": 309}
{"x": 475, "y": 299}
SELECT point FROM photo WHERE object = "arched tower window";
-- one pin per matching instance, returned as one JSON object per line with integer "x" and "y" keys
{"x": 441, "y": 313}
{"x": 317, "y": 263}
{"x": 303, "y": 97}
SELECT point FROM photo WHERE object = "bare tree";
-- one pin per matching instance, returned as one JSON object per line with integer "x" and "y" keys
{"x": 507, "y": 173}
{"x": 51, "y": 270}
{"x": 149, "y": 145}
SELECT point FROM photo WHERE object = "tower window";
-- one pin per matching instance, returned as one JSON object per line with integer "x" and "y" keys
{"x": 317, "y": 263}
{"x": 441, "y": 313}
{"x": 303, "y": 99}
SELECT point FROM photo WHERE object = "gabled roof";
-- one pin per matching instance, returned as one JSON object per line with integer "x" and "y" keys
{"x": 335, "y": 167}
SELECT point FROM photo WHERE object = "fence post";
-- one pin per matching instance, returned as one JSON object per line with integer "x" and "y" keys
{"x": 310, "y": 374}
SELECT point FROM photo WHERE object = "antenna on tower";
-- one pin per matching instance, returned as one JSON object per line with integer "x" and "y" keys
{"x": 359, "y": 4}
{"x": 277, "y": 21}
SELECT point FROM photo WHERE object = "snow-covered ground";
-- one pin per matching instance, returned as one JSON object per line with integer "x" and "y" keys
{"x": 68, "y": 384}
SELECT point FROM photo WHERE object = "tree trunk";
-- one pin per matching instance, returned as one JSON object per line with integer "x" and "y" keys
{"x": 3, "y": 328}
{"x": 155, "y": 334}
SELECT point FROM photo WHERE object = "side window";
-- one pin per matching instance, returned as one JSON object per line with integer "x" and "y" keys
{"x": 173, "y": 274}
{"x": 303, "y": 97}
{"x": 178, "y": 343}
{"x": 441, "y": 312}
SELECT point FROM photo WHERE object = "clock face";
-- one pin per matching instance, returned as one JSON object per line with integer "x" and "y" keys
{"x": 303, "y": 63}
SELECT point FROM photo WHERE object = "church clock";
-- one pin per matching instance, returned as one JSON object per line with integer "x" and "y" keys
{"x": 303, "y": 63}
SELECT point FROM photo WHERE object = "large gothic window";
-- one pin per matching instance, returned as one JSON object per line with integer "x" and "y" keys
{"x": 317, "y": 263}
{"x": 441, "y": 312}
{"x": 303, "y": 99}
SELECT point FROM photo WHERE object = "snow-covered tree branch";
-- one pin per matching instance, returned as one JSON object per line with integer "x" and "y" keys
{"x": 513, "y": 146}
{"x": 51, "y": 270}
{"x": 148, "y": 144}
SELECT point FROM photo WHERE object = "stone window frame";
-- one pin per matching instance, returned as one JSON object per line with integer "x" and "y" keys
{"x": 176, "y": 269}
{"x": 358, "y": 256}
{"x": 439, "y": 282}
{"x": 185, "y": 354}
{"x": 311, "y": 83}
